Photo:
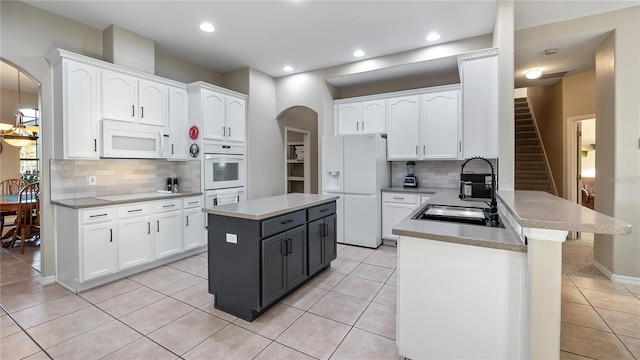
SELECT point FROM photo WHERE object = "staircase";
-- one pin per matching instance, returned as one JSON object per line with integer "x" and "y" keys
{"x": 531, "y": 169}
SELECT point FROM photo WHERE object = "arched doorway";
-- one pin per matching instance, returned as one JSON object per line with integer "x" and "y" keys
{"x": 20, "y": 104}
{"x": 304, "y": 120}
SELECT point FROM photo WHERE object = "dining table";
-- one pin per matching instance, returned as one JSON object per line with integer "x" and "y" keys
{"x": 10, "y": 203}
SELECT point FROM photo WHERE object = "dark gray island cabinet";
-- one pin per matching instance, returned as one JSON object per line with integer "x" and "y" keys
{"x": 261, "y": 250}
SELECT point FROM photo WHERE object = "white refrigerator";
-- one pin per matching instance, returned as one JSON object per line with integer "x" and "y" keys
{"x": 355, "y": 168}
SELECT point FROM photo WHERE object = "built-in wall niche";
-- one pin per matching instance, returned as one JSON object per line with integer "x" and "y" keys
{"x": 297, "y": 164}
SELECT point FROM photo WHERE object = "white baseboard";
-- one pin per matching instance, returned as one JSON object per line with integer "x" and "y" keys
{"x": 46, "y": 280}
{"x": 622, "y": 279}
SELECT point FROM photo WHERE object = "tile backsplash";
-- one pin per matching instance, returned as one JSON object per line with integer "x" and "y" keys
{"x": 438, "y": 174}
{"x": 69, "y": 178}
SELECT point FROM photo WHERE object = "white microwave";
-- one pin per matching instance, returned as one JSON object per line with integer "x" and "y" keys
{"x": 224, "y": 170}
{"x": 134, "y": 141}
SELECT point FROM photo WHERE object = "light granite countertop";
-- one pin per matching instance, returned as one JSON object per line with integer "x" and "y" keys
{"x": 108, "y": 200}
{"x": 259, "y": 209}
{"x": 535, "y": 209}
{"x": 498, "y": 238}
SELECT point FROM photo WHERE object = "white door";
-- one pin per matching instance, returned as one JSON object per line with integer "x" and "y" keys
{"x": 193, "y": 220}
{"x": 178, "y": 119}
{"x": 374, "y": 117}
{"x": 119, "y": 96}
{"x": 362, "y": 220}
{"x": 168, "y": 236}
{"x": 332, "y": 163}
{"x": 440, "y": 125}
{"x": 135, "y": 243}
{"x": 80, "y": 111}
{"x": 235, "y": 119}
{"x": 213, "y": 122}
{"x": 349, "y": 119}
{"x": 98, "y": 250}
{"x": 360, "y": 164}
{"x": 152, "y": 103}
{"x": 404, "y": 128}
{"x": 392, "y": 215}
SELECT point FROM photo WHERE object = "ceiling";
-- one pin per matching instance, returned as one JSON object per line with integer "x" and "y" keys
{"x": 308, "y": 35}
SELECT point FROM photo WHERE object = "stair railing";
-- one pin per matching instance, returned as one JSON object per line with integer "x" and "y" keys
{"x": 544, "y": 152}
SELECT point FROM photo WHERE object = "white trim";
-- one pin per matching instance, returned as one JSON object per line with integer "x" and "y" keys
{"x": 545, "y": 234}
{"x": 46, "y": 280}
{"x": 621, "y": 279}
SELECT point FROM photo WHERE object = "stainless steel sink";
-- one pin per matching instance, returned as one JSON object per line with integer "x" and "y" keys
{"x": 459, "y": 214}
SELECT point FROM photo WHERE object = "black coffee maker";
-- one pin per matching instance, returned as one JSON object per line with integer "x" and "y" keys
{"x": 411, "y": 180}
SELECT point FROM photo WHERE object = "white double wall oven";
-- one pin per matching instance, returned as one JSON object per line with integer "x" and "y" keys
{"x": 224, "y": 169}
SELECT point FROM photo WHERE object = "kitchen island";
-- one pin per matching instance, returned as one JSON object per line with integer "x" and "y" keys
{"x": 468, "y": 291}
{"x": 263, "y": 249}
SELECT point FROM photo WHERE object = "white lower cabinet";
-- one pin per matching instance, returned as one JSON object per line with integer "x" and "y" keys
{"x": 168, "y": 231}
{"x": 397, "y": 206}
{"x": 98, "y": 244}
{"x": 193, "y": 223}
{"x": 135, "y": 240}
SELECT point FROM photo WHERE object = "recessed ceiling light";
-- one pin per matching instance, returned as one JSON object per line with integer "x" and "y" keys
{"x": 287, "y": 68}
{"x": 207, "y": 27}
{"x": 533, "y": 73}
{"x": 358, "y": 53}
{"x": 433, "y": 36}
{"x": 549, "y": 51}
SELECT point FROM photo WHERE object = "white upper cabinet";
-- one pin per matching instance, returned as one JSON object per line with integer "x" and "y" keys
{"x": 235, "y": 110}
{"x": 178, "y": 119}
{"x": 76, "y": 104}
{"x": 403, "y": 135}
{"x": 440, "y": 124}
{"x": 366, "y": 117}
{"x": 479, "y": 77}
{"x": 220, "y": 113}
{"x": 127, "y": 98}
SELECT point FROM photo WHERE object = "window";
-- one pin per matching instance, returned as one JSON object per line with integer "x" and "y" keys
{"x": 29, "y": 155}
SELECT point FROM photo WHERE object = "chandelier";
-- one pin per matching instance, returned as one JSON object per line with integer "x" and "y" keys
{"x": 19, "y": 135}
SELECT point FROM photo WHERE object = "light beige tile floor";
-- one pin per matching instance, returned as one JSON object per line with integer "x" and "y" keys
{"x": 346, "y": 312}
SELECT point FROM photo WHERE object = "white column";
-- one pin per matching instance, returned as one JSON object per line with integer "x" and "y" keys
{"x": 544, "y": 263}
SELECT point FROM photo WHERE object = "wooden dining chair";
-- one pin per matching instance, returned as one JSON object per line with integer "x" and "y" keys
{"x": 9, "y": 187}
{"x": 28, "y": 215}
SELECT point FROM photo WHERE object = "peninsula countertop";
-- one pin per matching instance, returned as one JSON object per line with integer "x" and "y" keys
{"x": 108, "y": 200}
{"x": 263, "y": 208}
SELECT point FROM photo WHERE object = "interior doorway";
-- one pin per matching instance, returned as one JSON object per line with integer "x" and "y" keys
{"x": 581, "y": 169}
{"x": 297, "y": 164}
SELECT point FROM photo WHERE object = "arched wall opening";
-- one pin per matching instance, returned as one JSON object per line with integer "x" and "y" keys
{"x": 304, "y": 118}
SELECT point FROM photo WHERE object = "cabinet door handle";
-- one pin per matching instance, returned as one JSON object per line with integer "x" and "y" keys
{"x": 363, "y": 126}
{"x": 229, "y": 132}
{"x": 286, "y": 221}
{"x": 135, "y": 210}
{"x": 133, "y": 110}
{"x": 224, "y": 131}
{"x": 357, "y": 126}
{"x": 110, "y": 235}
{"x": 187, "y": 220}
{"x": 424, "y": 150}
{"x": 171, "y": 149}
{"x": 92, "y": 216}
{"x": 416, "y": 149}
{"x": 324, "y": 210}
{"x": 148, "y": 228}
{"x": 95, "y": 145}
{"x": 289, "y": 246}
{"x": 326, "y": 230}
{"x": 168, "y": 206}
{"x": 283, "y": 247}
{"x": 398, "y": 198}
{"x": 157, "y": 225}
{"x": 460, "y": 145}
{"x": 141, "y": 111}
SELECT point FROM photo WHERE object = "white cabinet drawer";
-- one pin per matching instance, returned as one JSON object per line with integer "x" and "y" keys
{"x": 402, "y": 198}
{"x": 192, "y": 202}
{"x": 97, "y": 215}
{"x": 168, "y": 205}
{"x": 137, "y": 209}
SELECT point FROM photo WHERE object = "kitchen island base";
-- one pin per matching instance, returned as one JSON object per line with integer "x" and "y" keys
{"x": 254, "y": 261}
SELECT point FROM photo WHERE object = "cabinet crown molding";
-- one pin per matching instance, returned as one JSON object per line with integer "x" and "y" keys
{"x": 478, "y": 54}
{"x": 58, "y": 55}
{"x": 204, "y": 85}
{"x": 394, "y": 94}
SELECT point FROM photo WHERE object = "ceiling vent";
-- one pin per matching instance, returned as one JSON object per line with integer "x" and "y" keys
{"x": 554, "y": 75}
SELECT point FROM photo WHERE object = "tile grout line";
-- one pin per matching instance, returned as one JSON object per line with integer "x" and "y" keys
{"x": 26, "y": 333}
